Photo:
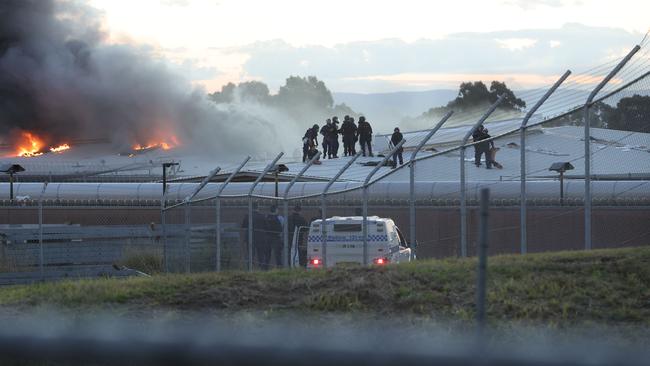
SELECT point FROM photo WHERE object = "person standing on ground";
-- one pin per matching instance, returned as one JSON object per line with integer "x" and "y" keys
{"x": 260, "y": 244}
{"x": 395, "y": 139}
{"x": 296, "y": 221}
{"x": 365, "y": 136}
{"x": 274, "y": 225}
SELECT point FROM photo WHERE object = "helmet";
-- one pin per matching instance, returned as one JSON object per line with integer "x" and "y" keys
{"x": 315, "y": 126}
{"x": 362, "y": 119}
{"x": 396, "y": 129}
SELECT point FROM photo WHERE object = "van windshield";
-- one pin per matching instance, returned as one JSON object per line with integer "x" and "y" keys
{"x": 347, "y": 228}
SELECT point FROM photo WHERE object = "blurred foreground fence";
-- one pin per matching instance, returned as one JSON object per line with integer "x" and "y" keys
{"x": 576, "y": 175}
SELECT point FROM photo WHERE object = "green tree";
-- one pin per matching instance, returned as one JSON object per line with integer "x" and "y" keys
{"x": 631, "y": 114}
{"x": 470, "y": 95}
{"x": 510, "y": 102}
{"x": 254, "y": 91}
{"x": 306, "y": 92}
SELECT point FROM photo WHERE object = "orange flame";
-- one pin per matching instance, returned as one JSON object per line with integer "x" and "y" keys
{"x": 171, "y": 143}
{"x": 31, "y": 145}
{"x": 60, "y": 148}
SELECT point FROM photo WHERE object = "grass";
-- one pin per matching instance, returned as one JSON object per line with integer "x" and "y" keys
{"x": 555, "y": 289}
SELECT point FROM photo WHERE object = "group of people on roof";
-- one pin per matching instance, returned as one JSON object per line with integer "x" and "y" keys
{"x": 350, "y": 132}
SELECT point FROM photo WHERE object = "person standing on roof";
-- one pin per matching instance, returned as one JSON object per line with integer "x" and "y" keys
{"x": 349, "y": 131}
{"x": 364, "y": 132}
{"x": 333, "y": 137}
{"x": 310, "y": 138}
{"x": 482, "y": 148}
{"x": 477, "y": 136}
{"x": 395, "y": 139}
{"x": 323, "y": 131}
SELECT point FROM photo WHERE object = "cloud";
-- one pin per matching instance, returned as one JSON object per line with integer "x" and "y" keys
{"x": 539, "y": 52}
{"x": 533, "y": 4}
{"x": 517, "y": 44}
{"x": 181, "y": 3}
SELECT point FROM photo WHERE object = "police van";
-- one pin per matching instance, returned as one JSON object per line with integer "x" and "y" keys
{"x": 343, "y": 244}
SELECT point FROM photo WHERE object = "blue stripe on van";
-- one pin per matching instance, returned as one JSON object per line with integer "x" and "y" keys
{"x": 371, "y": 238}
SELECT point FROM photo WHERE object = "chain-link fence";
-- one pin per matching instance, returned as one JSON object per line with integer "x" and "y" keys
{"x": 545, "y": 195}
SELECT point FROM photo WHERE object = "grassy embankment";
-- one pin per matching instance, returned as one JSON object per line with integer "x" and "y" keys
{"x": 569, "y": 288}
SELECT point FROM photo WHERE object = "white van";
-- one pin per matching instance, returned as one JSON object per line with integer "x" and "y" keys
{"x": 344, "y": 244}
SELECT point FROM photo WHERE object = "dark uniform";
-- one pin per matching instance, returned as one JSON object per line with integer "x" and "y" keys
{"x": 395, "y": 140}
{"x": 296, "y": 221}
{"x": 482, "y": 148}
{"x": 261, "y": 247}
{"x": 364, "y": 132}
{"x": 333, "y": 139}
{"x": 323, "y": 131}
{"x": 349, "y": 131}
{"x": 274, "y": 235}
{"x": 310, "y": 138}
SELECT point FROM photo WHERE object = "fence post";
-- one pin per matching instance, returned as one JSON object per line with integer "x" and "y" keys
{"x": 40, "y": 232}
{"x": 163, "y": 225}
{"x": 285, "y": 227}
{"x": 188, "y": 236}
{"x": 482, "y": 262}
{"x": 412, "y": 234}
{"x": 463, "y": 200}
{"x": 250, "y": 209}
{"x": 188, "y": 213}
{"x": 218, "y": 211}
{"x": 366, "y": 183}
{"x": 522, "y": 161}
{"x": 323, "y": 206}
{"x": 587, "y": 120}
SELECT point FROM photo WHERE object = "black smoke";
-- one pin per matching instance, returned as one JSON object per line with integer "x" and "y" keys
{"x": 60, "y": 77}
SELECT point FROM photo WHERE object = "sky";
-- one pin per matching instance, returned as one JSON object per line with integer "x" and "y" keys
{"x": 378, "y": 46}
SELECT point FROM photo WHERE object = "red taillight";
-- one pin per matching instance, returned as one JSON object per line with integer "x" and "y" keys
{"x": 381, "y": 261}
{"x": 315, "y": 262}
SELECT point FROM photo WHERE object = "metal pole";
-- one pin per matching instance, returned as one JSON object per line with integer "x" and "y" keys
{"x": 187, "y": 203}
{"x": 587, "y": 120}
{"x": 40, "y": 231}
{"x": 164, "y": 180}
{"x": 218, "y": 209}
{"x": 323, "y": 206}
{"x": 285, "y": 228}
{"x": 522, "y": 161}
{"x": 11, "y": 187}
{"x": 463, "y": 199}
{"x": 482, "y": 264}
{"x": 561, "y": 188}
{"x": 188, "y": 236}
{"x": 163, "y": 225}
{"x": 217, "y": 260}
{"x": 366, "y": 183}
{"x": 250, "y": 208}
{"x": 250, "y": 233}
{"x": 412, "y": 182}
